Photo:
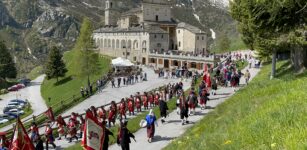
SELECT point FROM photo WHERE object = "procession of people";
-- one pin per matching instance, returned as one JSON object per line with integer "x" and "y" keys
{"x": 71, "y": 128}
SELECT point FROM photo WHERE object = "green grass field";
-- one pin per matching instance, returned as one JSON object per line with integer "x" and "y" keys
{"x": 70, "y": 84}
{"x": 35, "y": 72}
{"x": 268, "y": 114}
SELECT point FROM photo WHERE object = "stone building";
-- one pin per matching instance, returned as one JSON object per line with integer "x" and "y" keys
{"x": 142, "y": 32}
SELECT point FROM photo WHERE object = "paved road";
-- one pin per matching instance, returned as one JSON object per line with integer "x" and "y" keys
{"x": 32, "y": 93}
{"x": 165, "y": 133}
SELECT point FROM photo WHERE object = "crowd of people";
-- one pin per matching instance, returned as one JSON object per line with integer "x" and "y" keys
{"x": 129, "y": 80}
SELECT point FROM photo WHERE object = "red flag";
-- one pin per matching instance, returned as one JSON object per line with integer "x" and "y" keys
{"x": 49, "y": 114}
{"x": 93, "y": 133}
{"x": 21, "y": 140}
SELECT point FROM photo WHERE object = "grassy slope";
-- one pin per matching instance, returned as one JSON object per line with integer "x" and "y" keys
{"x": 70, "y": 83}
{"x": 35, "y": 72}
{"x": 268, "y": 114}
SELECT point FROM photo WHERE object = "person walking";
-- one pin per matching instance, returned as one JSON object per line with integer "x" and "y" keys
{"x": 247, "y": 76}
{"x": 123, "y": 138}
{"x": 151, "y": 122}
{"x": 113, "y": 83}
{"x": 118, "y": 81}
{"x": 192, "y": 99}
{"x": 49, "y": 136}
{"x": 163, "y": 109}
{"x": 107, "y": 133}
{"x": 184, "y": 109}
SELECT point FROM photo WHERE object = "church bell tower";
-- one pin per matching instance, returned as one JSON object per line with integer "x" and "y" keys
{"x": 110, "y": 18}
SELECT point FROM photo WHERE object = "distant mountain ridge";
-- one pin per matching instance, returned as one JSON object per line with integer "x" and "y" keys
{"x": 29, "y": 27}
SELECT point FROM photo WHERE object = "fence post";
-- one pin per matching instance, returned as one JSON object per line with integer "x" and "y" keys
{"x": 49, "y": 99}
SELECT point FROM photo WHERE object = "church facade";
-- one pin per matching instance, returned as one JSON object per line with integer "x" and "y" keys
{"x": 147, "y": 30}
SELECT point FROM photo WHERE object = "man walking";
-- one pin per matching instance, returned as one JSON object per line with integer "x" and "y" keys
{"x": 113, "y": 83}
{"x": 118, "y": 81}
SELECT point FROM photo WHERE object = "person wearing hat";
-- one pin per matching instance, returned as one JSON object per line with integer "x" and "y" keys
{"x": 151, "y": 122}
{"x": 192, "y": 99}
{"x": 124, "y": 135}
{"x": 184, "y": 109}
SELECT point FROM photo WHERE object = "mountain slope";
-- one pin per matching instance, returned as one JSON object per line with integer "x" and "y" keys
{"x": 29, "y": 27}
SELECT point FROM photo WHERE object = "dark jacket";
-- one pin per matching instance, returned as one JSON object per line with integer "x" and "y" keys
{"x": 106, "y": 139}
{"x": 125, "y": 135}
{"x": 163, "y": 106}
{"x": 39, "y": 145}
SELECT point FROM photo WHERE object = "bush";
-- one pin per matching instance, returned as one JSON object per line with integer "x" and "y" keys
{"x": 3, "y": 91}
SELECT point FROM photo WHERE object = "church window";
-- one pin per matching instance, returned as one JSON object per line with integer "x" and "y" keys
{"x": 111, "y": 4}
{"x": 162, "y": 36}
{"x": 202, "y": 38}
{"x": 179, "y": 43}
{"x": 155, "y": 36}
{"x": 178, "y": 31}
{"x": 157, "y": 18}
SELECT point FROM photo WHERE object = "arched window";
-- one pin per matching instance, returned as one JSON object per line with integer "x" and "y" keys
{"x": 129, "y": 43}
{"x": 105, "y": 43}
{"x": 101, "y": 43}
{"x": 113, "y": 43}
{"x": 144, "y": 46}
{"x": 123, "y": 44}
{"x": 117, "y": 43}
{"x": 109, "y": 43}
{"x": 135, "y": 44}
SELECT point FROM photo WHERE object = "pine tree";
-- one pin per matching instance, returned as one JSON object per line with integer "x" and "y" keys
{"x": 88, "y": 59}
{"x": 55, "y": 66}
{"x": 7, "y": 65}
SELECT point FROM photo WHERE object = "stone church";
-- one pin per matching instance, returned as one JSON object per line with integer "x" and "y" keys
{"x": 145, "y": 30}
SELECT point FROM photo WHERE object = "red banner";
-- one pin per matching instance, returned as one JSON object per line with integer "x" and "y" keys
{"x": 21, "y": 140}
{"x": 93, "y": 133}
{"x": 49, "y": 114}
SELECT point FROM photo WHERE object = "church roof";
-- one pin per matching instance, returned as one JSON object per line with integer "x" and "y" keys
{"x": 189, "y": 27}
{"x": 149, "y": 29}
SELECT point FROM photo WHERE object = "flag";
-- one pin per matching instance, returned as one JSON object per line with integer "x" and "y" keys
{"x": 93, "y": 133}
{"x": 21, "y": 140}
{"x": 49, "y": 114}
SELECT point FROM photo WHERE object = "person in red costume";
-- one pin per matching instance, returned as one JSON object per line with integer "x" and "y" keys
{"x": 72, "y": 127}
{"x": 102, "y": 114}
{"x": 138, "y": 104}
{"x": 156, "y": 98}
{"x": 145, "y": 101}
{"x": 112, "y": 113}
{"x": 49, "y": 136}
{"x": 122, "y": 109}
{"x": 131, "y": 105}
{"x": 61, "y": 126}
{"x": 151, "y": 100}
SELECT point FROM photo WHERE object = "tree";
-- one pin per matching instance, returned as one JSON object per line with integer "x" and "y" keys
{"x": 55, "y": 66}
{"x": 224, "y": 42}
{"x": 274, "y": 26}
{"x": 87, "y": 58}
{"x": 7, "y": 65}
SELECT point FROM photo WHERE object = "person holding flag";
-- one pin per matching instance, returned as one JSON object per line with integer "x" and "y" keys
{"x": 49, "y": 136}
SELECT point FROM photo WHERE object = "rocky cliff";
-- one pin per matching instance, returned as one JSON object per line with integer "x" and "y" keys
{"x": 30, "y": 27}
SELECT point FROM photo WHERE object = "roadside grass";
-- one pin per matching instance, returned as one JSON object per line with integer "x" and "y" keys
{"x": 70, "y": 84}
{"x": 267, "y": 114}
{"x": 35, "y": 72}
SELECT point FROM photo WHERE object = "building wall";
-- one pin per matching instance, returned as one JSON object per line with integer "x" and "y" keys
{"x": 117, "y": 44}
{"x": 186, "y": 40}
{"x": 158, "y": 41}
{"x": 201, "y": 43}
{"x": 150, "y": 11}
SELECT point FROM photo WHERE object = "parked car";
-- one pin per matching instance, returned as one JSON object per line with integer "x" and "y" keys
{"x": 16, "y": 111}
{"x": 18, "y": 105}
{"x": 16, "y": 87}
{"x": 19, "y": 101}
{"x": 6, "y": 116}
{"x": 25, "y": 81}
{"x": 8, "y": 108}
{"x": 3, "y": 120}
{"x": 13, "y": 115}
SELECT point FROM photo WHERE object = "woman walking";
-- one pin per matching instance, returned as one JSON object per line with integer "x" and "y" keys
{"x": 151, "y": 122}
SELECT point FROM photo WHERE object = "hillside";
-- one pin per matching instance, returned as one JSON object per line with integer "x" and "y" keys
{"x": 268, "y": 114}
{"x": 29, "y": 27}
